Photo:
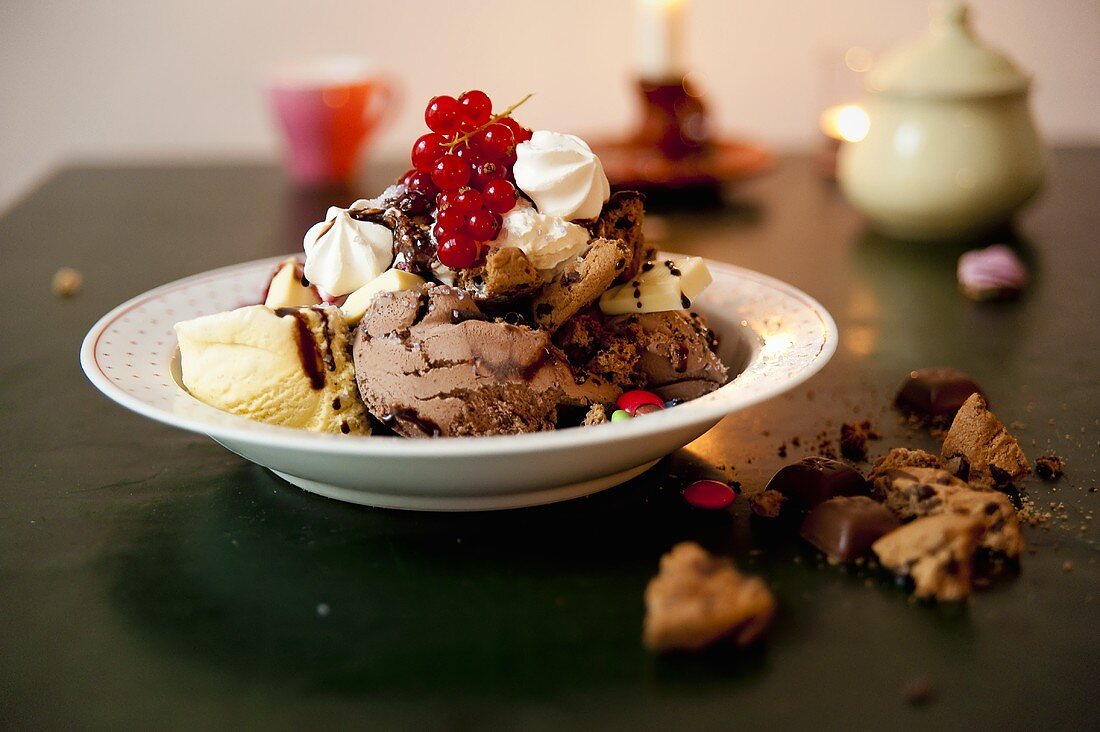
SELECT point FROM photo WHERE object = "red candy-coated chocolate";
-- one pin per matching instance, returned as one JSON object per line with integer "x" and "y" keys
{"x": 709, "y": 494}
{"x": 631, "y": 400}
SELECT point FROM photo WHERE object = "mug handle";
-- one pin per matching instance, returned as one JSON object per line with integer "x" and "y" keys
{"x": 384, "y": 104}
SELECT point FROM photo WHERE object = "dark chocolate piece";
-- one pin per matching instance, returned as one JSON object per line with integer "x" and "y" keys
{"x": 845, "y": 528}
{"x": 935, "y": 393}
{"x": 815, "y": 479}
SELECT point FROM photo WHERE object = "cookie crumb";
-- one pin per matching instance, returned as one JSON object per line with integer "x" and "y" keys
{"x": 66, "y": 282}
{"x": 919, "y": 692}
{"x": 1050, "y": 467}
{"x": 853, "y": 439}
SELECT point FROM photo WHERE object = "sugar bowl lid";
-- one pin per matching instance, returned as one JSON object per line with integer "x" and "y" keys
{"x": 947, "y": 61}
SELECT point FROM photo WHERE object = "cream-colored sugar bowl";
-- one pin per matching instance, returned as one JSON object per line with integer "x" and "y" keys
{"x": 951, "y": 149}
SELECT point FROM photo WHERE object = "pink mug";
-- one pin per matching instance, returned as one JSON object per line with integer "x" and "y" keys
{"x": 328, "y": 108}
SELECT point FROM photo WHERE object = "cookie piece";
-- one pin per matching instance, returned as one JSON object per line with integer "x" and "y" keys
{"x": 996, "y": 514}
{"x": 767, "y": 503}
{"x": 900, "y": 458}
{"x": 621, "y": 218}
{"x": 506, "y": 275}
{"x": 913, "y": 492}
{"x": 597, "y": 414}
{"x": 1050, "y": 467}
{"x": 697, "y": 599}
{"x": 980, "y": 448}
{"x": 937, "y": 552}
{"x": 579, "y": 283}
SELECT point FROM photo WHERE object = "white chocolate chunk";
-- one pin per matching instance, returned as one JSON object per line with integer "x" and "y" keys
{"x": 661, "y": 285}
{"x": 392, "y": 280}
{"x": 286, "y": 289}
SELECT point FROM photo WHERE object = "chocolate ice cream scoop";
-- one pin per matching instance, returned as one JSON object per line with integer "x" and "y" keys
{"x": 429, "y": 363}
{"x": 672, "y": 353}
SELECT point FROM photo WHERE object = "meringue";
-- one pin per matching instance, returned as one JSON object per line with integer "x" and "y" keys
{"x": 343, "y": 254}
{"x": 546, "y": 240}
{"x": 562, "y": 175}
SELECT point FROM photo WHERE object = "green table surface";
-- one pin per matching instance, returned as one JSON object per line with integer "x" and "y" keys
{"x": 151, "y": 579}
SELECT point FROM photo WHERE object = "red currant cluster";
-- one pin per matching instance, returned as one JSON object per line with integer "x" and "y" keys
{"x": 462, "y": 169}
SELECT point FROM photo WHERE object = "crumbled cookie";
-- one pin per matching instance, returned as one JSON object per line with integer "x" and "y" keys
{"x": 506, "y": 275}
{"x": 697, "y": 599}
{"x": 597, "y": 414}
{"x": 937, "y": 552}
{"x": 914, "y": 492}
{"x": 622, "y": 218}
{"x": 767, "y": 503}
{"x": 1050, "y": 467}
{"x": 580, "y": 283}
{"x": 66, "y": 282}
{"x": 900, "y": 458}
{"x": 980, "y": 448}
{"x": 853, "y": 439}
{"x": 996, "y": 514}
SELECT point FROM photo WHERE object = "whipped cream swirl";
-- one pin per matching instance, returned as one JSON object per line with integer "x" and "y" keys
{"x": 546, "y": 240}
{"x": 562, "y": 175}
{"x": 343, "y": 254}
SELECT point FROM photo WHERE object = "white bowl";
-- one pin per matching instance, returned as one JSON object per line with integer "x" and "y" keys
{"x": 774, "y": 337}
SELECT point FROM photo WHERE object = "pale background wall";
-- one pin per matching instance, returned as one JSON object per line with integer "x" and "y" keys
{"x": 126, "y": 80}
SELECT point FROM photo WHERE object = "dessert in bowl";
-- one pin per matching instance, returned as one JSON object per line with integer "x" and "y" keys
{"x": 490, "y": 331}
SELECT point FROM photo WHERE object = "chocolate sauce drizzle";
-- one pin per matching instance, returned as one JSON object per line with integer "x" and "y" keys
{"x": 404, "y": 414}
{"x": 308, "y": 353}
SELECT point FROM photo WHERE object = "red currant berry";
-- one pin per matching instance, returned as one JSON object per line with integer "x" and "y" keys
{"x": 450, "y": 219}
{"x": 519, "y": 132}
{"x": 421, "y": 183}
{"x": 443, "y": 115}
{"x": 404, "y": 179}
{"x": 445, "y": 199}
{"x": 499, "y": 196}
{"x": 450, "y": 173}
{"x": 425, "y": 151}
{"x": 496, "y": 140}
{"x": 459, "y": 251}
{"x": 467, "y": 200}
{"x": 476, "y": 108}
{"x": 486, "y": 173}
{"x": 483, "y": 225}
{"x": 473, "y": 156}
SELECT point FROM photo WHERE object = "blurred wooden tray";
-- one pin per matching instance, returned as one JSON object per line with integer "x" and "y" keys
{"x": 631, "y": 165}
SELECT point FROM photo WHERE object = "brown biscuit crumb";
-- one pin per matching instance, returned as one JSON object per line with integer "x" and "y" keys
{"x": 596, "y": 415}
{"x": 622, "y": 218}
{"x": 697, "y": 599}
{"x": 902, "y": 457}
{"x": 937, "y": 552}
{"x": 853, "y": 439}
{"x": 506, "y": 275}
{"x": 919, "y": 692}
{"x": 66, "y": 282}
{"x": 767, "y": 504}
{"x": 980, "y": 447}
{"x": 1050, "y": 467}
{"x": 580, "y": 283}
{"x": 915, "y": 492}
{"x": 997, "y": 515}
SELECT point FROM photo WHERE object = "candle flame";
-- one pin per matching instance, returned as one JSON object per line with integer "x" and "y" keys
{"x": 845, "y": 122}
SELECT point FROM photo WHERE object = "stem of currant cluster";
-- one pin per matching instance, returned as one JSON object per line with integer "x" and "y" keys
{"x": 492, "y": 120}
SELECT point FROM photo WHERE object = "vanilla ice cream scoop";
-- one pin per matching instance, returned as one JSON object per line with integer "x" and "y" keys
{"x": 562, "y": 175}
{"x": 343, "y": 253}
{"x": 288, "y": 367}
